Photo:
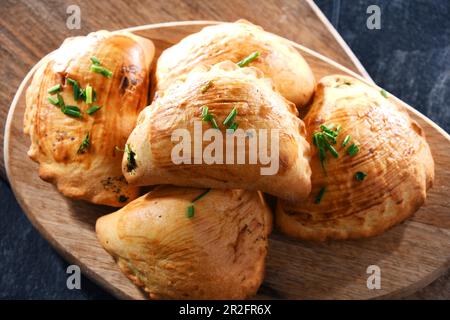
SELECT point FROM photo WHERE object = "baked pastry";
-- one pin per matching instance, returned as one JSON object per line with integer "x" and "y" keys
{"x": 290, "y": 73}
{"x": 83, "y": 102}
{"x": 177, "y": 118}
{"x": 215, "y": 251}
{"x": 379, "y": 178}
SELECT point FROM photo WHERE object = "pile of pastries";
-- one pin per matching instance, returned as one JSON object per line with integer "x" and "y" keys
{"x": 100, "y": 113}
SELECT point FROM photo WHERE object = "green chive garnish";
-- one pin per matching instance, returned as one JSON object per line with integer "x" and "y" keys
{"x": 72, "y": 111}
{"x": 360, "y": 176}
{"x": 320, "y": 145}
{"x": 332, "y": 150}
{"x": 330, "y": 137}
{"x": 248, "y": 59}
{"x": 346, "y": 140}
{"x": 233, "y": 126}
{"x": 99, "y": 69}
{"x": 206, "y": 86}
{"x": 93, "y": 109}
{"x": 204, "y": 112}
{"x": 214, "y": 123}
{"x": 328, "y": 130}
{"x": 95, "y": 60}
{"x": 88, "y": 93}
{"x": 323, "y": 140}
{"x": 207, "y": 118}
{"x": 53, "y": 101}
{"x": 82, "y": 94}
{"x": 316, "y": 139}
{"x": 352, "y": 150}
{"x": 131, "y": 161}
{"x": 84, "y": 144}
{"x": 320, "y": 195}
{"x": 54, "y": 89}
{"x": 122, "y": 198}
{"x": 190, "y": 211}
{"x": 60, "y": 101}
{"x": 230, "y": 117}
{"x": 76, "y": 88}
{"x": 201, "y": 195}
{"x": 384, "y": 93}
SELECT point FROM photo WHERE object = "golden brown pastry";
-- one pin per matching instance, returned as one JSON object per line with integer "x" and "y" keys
{"x": 383, "y": 183}
{"x": 73, "y": 140}
{"x": 154, "y": 142}
{"x": 278, "y": 60}
{"x": 215, "y": 252}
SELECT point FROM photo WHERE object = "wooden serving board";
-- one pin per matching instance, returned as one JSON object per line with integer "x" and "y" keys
{"x": 410, "y": 255}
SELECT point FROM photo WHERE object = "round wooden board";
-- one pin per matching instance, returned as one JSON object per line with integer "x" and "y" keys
{"x": 410, "y": 255}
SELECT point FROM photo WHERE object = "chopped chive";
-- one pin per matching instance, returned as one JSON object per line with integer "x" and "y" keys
{"x": 352, "y": 150}
{"x": 332, "y": 150}
{"x": 53, "y": 101}
{"x": 360, "y": 176}
{"x": 190, "y": 211}
{"x": 338, "y": 129}
{"x": 55, "y": 89}
{"x": 94, "y": 95}
{"x": 60, "y": 101}
{"x": 82, "y": 94}
{"x": 230, "y": 117}
{"x": 320, "y": 195}
{"x": 346, "y": 140}
{"x": 76, "y": 88}
{"x": 131, "y": 160}
{"x": 328, "y": 130}
{"x": 315, "y": 139}
{"x": 88, "y": 93}
{"x": 207, "y": 118}
{"x": 95, "y": 60}
{"x": 330, "y": 137}
{"x": 206, "y": 86}
{"x": 122, "y": 198}
{"x": 72, "y": 111}
{"x": 384, "y": 93}
{"x": 93, "y": 109}
{"x": 248, "y": 59}
{"x": 214, "y": 123}
{"x": 204, "y": 112}
{"x": 201, "y": 195}
{"x": 233, "y": 126}
{"x": 85, "y": 144}
{"x": 98, "y": 69}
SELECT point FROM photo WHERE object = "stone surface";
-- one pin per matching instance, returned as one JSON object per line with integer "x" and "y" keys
{"x": 409, "y": 56}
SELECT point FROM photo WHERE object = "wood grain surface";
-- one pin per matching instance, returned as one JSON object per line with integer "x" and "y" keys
{"x": 410, "y": 255}
{"x": 31, "y": 29}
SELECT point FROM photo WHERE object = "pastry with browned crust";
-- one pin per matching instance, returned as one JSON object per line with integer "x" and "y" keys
{"x": 290, "y": 73}
{"x": 379, "y": 178}
{"x": 261, "y": 114}
{"x": 83, "y": 102}
{"x": 214, "y": 251}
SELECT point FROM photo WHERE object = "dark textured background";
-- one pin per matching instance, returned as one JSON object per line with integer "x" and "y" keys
{"x": 409, "y": 56}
